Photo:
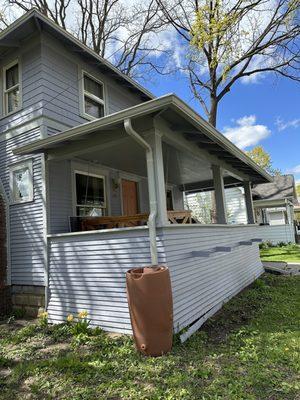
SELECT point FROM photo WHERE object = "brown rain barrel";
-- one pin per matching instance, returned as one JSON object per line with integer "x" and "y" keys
{"x": 150, "y": 303}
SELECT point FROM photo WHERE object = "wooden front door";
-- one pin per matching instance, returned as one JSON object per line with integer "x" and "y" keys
{"x": 129, "y": 197}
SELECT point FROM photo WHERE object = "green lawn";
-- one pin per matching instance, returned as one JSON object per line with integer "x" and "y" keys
{"x": 250, "y": 350}
{"x": 289, "y": 253}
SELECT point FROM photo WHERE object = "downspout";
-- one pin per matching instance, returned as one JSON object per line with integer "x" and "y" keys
{"x": 151, "y": 187}
{"x": 7, "y": 215}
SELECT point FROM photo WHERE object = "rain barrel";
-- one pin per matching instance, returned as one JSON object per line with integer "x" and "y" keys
{"x": 150, "y": 303}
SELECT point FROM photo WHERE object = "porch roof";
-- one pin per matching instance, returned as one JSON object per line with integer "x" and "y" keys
{"x": 179, "y": 116}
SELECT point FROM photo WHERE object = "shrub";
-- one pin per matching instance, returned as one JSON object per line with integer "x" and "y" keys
{"x": 269, "y": 244}
{"x": 265, "y": 245}
{"x": 282, "y": 244}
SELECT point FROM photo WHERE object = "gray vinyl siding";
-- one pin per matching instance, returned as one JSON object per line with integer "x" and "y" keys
{"x": 27, "y": 219}
{"x": 201, "y": 282}
{"x": 61, "y": 70}
{"x": 60, "y": 88}
{"x": 59, "y": 196}
{"x": 277, "y": 233}
{"x": 87, "y": 271}
{"x": 32, "y": 95}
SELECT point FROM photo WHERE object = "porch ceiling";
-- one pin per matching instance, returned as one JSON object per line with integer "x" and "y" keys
{"x": 179, "y": 117}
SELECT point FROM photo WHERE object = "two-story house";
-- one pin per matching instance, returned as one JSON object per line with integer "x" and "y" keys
{"x": 93, "y": 170}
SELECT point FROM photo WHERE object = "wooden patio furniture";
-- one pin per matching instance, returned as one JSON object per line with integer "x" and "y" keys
{"x": 126, "y": 221}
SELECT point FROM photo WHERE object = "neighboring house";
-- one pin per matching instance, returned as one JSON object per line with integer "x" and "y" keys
{"x": 80, "y": 139}
{"x": 274, "y": 204}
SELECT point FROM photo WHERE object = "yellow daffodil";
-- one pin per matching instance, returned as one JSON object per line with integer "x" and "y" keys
{"x": 82, "y": 314}
{"x": 70, "y": 318}
{"x": 43, "y": 314}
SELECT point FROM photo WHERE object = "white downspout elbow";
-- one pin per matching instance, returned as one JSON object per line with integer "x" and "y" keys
{"x": 151, "y": 188}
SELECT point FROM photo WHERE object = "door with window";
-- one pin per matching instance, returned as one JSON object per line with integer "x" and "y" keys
{"x": 129, "y": 197}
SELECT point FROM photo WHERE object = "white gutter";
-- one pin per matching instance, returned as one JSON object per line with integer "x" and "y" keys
{"x": 151, "y": 188}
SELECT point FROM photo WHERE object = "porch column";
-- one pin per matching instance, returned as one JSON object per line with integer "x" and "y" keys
{"x": 219, "y": 194}
{"x": 249, "y": 202}
{"x": 156, "y": 143}
{"x": 290, "y": 213}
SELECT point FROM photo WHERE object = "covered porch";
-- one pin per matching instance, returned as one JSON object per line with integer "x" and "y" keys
{"x": 116, "y": 200}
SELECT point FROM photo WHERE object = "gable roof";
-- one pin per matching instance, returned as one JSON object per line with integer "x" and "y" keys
{"x": 178, "y": 114}
{"x": 282, "y": 187}
{"x": 33, "y": 20}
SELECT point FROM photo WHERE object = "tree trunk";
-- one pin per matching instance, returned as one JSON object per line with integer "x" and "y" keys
{"x": 213, "y": 121}
{"x": 213, "y": 110}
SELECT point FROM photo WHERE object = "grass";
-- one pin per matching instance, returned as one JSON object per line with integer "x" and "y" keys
{"x": 289, "y": 253}
{"x": 249, "y": 350}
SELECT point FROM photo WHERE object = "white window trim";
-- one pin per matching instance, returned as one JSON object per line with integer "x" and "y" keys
{"x": 5, "y": 91}
{"x": 15, "y": 167}
{"x": 91, "y": 96}
{"x": 103, "y": 177}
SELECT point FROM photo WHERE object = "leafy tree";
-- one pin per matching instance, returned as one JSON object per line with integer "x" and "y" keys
{"x": 263, "y": 159}
{"x": 233, "y": 39}
{"x": 298, "y": 189}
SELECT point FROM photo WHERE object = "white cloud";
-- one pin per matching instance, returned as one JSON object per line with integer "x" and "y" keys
{"x": 246, "y": 132}
{"x": 282, "y": 125}
{"x": 294, "y": 170}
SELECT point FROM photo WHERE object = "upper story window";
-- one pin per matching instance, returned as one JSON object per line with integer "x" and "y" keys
{"x": 93, "y": 97}
{"x": 11, "y": 88}
{"x": 21, "y": 182}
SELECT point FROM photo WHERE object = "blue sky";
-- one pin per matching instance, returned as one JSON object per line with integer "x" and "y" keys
{"x": 266, "y": 101}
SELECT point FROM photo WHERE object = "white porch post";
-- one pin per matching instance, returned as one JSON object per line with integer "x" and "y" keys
{"x": 249, "y": 202}
{"x": 290, "y": 213}
{"x": 156, "y": 143}
{"x": 219, "y": 194}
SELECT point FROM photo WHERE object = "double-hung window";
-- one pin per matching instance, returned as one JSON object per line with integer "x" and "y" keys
{"x": 93, "y": 97}
{"x": 21, "y": 182}
{"x": 90, "y": 194}
{"x": 11, "y": 88}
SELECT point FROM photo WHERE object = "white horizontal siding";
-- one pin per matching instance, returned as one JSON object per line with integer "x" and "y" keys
{"x": 277, "y": 233}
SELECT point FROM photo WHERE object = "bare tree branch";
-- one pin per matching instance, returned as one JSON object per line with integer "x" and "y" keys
{"x": 124, "y": 35}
